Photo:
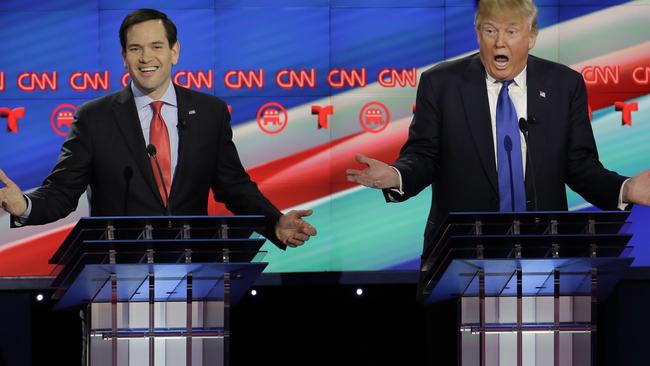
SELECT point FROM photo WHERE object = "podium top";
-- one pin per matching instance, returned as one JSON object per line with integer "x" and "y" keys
{"x": 528, "y": 223}
{"x": 170, "y": 244}
{"x": 535, "y": 217}
{"x": 157, "y": 228}
{"x": 539, "y": 237}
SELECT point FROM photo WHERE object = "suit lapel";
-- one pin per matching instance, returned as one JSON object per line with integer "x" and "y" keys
{"x": 186, "y": 113}
{"x": 126, "y": 117}
{"x": 537, "y": 93}
{"x": 477, "y": 109}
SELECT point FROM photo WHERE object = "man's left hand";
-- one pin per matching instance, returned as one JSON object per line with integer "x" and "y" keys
{"x": 292, "y": 230}
{"x": 637, "y": 189}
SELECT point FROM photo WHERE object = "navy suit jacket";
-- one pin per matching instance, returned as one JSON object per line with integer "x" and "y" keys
{"x": 105, "y": 151}
{"x": 450, "y": 144}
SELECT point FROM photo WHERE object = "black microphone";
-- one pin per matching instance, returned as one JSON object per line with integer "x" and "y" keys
{"x": 151, "y": 150}
{"x": 523, "y": 127}
{"x": 181, "y": 124}
{"x": 507, "y": 143}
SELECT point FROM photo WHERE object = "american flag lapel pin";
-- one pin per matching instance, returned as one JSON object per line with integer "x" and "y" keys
{"x": 542, "y": 94}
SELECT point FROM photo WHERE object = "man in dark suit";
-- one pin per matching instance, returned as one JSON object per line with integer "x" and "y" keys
{"x": 107, "y": 149}
{"x": 454, "y": 141}
{"x": 465, "y": 141}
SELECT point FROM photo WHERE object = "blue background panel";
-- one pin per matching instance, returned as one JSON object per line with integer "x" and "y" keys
{"x": 33, "y": 5}
{"x": 285, "y": 38}
{"x": 62, "y": 41}
{"x": 156, "y": 4}
{"x": 376, "y": 38}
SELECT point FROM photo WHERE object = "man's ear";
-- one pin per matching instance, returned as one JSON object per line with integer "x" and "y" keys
{"x": 176, "y": 52}
{"x": 532, "y": 38}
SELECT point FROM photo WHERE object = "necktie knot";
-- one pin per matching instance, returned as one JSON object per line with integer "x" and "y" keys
{"x": 156, "y": 106}
{"x": 504, "y": 86}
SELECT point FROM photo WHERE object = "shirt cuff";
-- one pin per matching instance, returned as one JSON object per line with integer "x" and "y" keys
{"x": 22, "y": 219}
{"x": 399, "y": 190}
{"x": 622, "y": 205}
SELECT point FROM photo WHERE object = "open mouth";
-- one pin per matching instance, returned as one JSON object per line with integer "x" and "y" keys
{"x": 501, "y": 61}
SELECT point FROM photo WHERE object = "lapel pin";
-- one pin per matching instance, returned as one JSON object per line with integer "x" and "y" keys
{"x": 192, "y": 111}
{"x": 542, "y": 94}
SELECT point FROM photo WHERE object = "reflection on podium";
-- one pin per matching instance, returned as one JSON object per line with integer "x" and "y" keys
{"x": 527, "y": 284}
{"x": 158, "y": 290}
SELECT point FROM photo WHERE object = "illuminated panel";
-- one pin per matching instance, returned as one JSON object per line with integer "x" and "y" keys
{"x": 275, "y": 39}
{"x": 39, "y": 62}
{"x": 33, "y": 5}
{"x": 285, "y": 70}
{"x": 363, "y": 41}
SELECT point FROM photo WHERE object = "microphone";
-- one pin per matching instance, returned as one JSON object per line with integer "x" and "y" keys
{"x": 507, "y": 143}
{"x": 151, "y": 150}
{"x": 181, "y": 124}
{"x": 523, "y": 127}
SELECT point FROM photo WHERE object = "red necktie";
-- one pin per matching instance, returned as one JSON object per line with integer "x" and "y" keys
{"x": 159, "y": 137}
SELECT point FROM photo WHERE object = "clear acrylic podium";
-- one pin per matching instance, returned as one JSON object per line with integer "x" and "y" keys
{"x": 527, "y": 284}
{"x": 157, "y": 290}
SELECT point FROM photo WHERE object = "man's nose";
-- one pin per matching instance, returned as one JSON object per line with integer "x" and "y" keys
{"x": 145, "y": 56}
{"x": 501, "y": 39}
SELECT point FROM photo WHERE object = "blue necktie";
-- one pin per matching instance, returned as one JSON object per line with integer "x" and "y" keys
{"x": 512, "y": 192}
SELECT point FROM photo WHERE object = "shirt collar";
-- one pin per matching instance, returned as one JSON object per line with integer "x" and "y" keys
{"x": 142, "y": 100}
{"x": 520, "y": 79}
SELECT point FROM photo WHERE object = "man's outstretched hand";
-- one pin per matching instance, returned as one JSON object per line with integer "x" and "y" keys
{"x": 11, "y": 197}
{"x": 377, "y": 174}
{"x": 292, "y": 230}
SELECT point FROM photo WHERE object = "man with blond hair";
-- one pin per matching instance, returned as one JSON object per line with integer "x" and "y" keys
{"x": 465, "y": 140}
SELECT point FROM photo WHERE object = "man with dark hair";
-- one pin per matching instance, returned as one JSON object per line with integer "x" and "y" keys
{"x": 188, "y": 132}
{"x": 143, "y": 15}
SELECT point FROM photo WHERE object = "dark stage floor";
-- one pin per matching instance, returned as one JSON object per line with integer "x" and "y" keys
{"x": 305, "y": 324}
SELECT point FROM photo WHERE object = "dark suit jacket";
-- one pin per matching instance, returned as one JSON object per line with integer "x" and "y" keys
{"x": 450, "y": 143}
{"x": 105, "y": 150}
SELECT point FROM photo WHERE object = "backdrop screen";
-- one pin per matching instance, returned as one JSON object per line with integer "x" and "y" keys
{"x": 309, "y": 84}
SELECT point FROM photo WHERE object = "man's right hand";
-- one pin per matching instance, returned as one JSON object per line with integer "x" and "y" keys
{"x": 377, "y": 174}
{"x": 11, "y": 197}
